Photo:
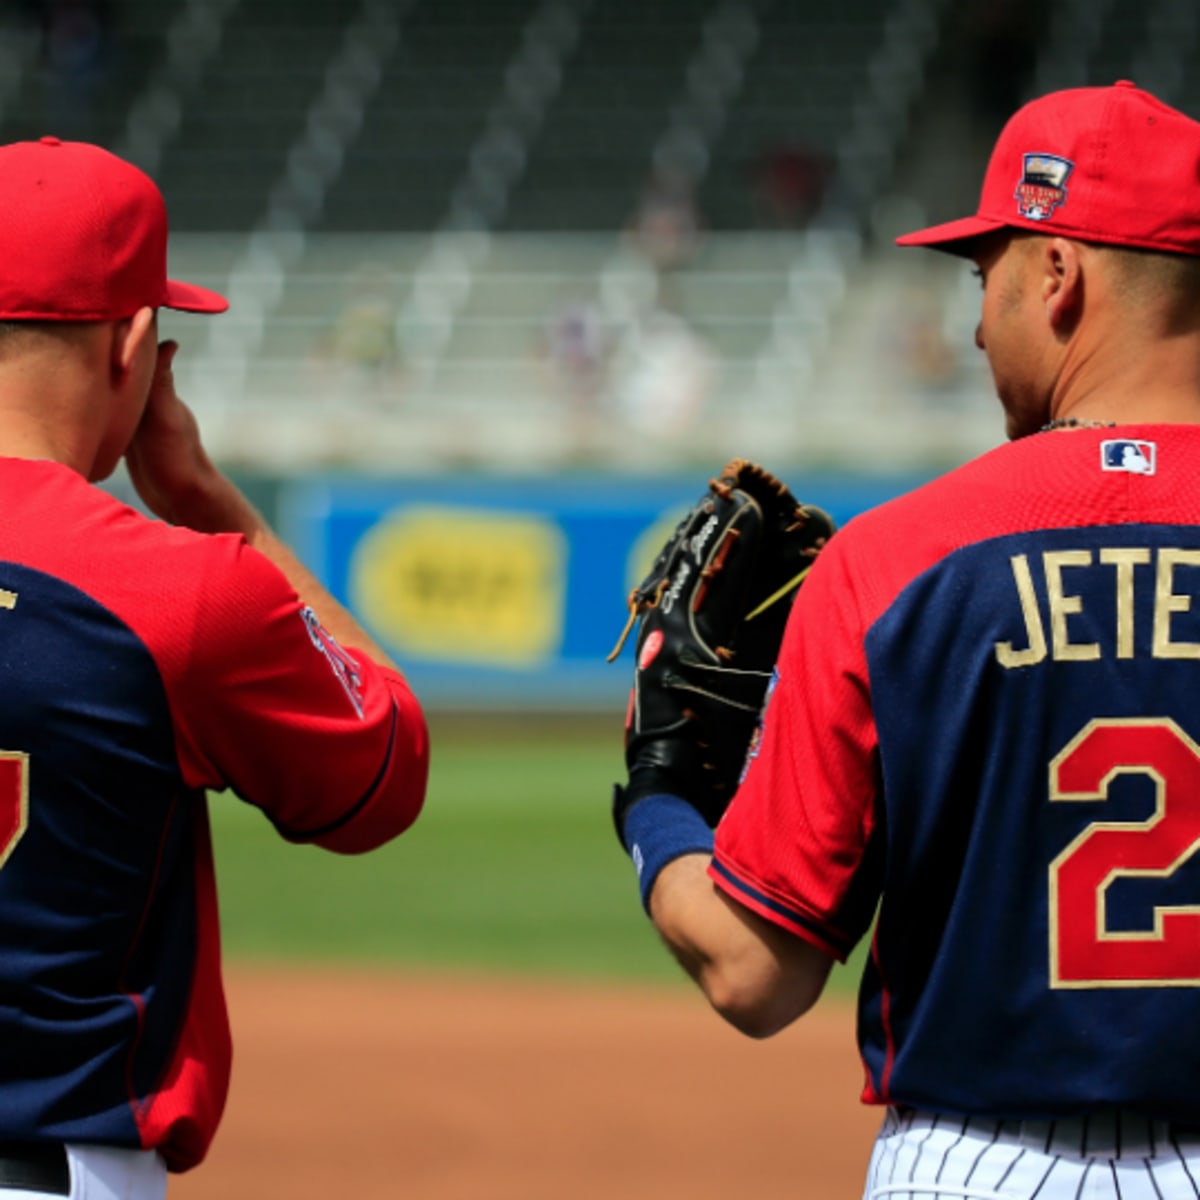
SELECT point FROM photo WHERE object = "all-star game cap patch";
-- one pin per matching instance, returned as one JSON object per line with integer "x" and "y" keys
{"x": 1043, "y": 185}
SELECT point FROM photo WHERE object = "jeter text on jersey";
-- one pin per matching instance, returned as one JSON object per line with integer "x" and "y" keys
{"x": 1070, "y": 575}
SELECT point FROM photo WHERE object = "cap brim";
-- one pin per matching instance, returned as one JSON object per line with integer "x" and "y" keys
{"x": 955, "y": 237}
{"x": 189, "y": 297}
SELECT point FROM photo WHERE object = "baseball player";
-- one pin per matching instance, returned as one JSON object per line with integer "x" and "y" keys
{"x": 144, "y": 662}
{"x": 983, "y": 732}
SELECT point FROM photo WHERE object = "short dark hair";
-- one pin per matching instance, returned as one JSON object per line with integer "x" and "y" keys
{"x": 12, "y": 331}
{"x": 1154, "y": 279}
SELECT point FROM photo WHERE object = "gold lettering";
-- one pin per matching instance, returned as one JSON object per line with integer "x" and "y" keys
{"x": 1125, "y": 559}
{"x": 1006, "y": 656}
{"x": 1062, "y": 605}
{"x": 7, "y": 599}
{"x": 1167, "y": 601}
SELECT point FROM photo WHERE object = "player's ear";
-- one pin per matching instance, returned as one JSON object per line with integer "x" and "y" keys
{"x": 129, "y": 338}
{"x": 1061, "y": 282}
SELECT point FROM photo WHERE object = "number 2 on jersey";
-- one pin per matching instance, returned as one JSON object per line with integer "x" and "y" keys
{"x": 14, "y": 800}
{"x": 1084, "y": 953}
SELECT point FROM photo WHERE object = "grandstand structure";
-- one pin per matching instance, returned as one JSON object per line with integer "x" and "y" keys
{"x": 530, "y": 233}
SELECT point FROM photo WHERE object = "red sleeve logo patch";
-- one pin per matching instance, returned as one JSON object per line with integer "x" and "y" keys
{"x": 344, "y": 667}
{"x": 757, "y": 736}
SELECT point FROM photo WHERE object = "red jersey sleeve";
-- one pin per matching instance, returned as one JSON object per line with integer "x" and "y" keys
{"x": 794, "y": 844}
{"x": 331, "y": 746}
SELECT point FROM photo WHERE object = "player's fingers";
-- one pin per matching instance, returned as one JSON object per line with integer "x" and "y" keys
{"x": 164, "y": 408}
{"x": 166, "y": 357}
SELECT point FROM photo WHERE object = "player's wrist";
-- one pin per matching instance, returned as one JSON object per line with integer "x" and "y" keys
{"x": 656, "y": 828}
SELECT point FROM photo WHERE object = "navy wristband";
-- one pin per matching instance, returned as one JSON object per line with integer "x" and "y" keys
{"x": 659, "y": 829}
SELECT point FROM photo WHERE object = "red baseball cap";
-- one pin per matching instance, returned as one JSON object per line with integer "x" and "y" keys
{"x": 1100, "y": 164}
{"x": 83, "y": 237}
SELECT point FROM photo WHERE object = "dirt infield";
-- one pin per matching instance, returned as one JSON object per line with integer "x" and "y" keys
{"x": 376, "y": 1086}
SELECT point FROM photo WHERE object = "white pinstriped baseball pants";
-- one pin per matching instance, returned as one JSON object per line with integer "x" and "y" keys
{"x": 1111, "y": 1156}
{"x": 107, "y": 1173}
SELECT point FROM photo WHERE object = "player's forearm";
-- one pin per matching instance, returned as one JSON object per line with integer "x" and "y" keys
{"x": 757, "y": 977}
{"x": 337, "y": 620}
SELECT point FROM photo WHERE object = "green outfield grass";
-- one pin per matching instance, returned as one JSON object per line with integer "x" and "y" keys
{"x": 513, "y": 867}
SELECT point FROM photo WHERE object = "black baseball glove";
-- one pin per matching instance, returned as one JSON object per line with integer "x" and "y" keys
{"x": 710, "y": 617}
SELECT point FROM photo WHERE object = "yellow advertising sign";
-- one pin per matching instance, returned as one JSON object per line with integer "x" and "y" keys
{"x": 463, "y": 585}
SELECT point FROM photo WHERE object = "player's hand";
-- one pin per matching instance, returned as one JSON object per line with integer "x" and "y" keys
{"x": 167, "y": 462}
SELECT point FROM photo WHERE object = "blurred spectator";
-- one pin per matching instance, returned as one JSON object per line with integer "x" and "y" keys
{"x": 575, "y": 349}
{"x": 789, "y": 182}
{"x": 576, "y": 344}
{"x": 364, "y": 335}
{"x": 931, "y": 363}
{"x": 664, "y": 373}
{"x": 360, "y": 345}
{"x": 666, "y": 224}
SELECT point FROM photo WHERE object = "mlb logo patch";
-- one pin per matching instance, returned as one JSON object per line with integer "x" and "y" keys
{"x": 1130, "y": 455}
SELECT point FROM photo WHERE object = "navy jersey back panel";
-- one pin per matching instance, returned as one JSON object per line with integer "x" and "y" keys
{"x": 958, "y": 1009}
{"x": 97, "y": 926}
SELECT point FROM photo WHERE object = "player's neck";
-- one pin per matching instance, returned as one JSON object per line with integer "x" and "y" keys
{"x": 18, "y": 440}
{"x": 1124, "y": 381}
{"x": 48, "y": 418}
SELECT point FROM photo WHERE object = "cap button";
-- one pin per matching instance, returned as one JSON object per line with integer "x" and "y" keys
{"x": 1125, "y": 83}
{"x": 51, "y": 141}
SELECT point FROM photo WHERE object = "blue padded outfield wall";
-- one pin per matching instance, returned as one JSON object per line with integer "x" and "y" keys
{"x": 495, "y": 592}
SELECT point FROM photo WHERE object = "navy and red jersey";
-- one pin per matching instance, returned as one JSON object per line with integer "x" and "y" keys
{"x": 140, "y": 666}
{"x": 985, "y": 731}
